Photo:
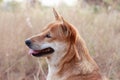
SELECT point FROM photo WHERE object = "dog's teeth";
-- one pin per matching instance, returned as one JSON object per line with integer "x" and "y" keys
{"x": 45, "y": 50}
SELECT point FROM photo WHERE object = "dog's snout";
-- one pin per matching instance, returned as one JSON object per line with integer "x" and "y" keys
{"x": 28, "y": 42}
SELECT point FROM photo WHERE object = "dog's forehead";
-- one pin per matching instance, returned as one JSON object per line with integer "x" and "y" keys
{"x": 52, "y": 26}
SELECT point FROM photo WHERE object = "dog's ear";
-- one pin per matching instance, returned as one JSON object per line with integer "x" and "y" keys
{"x": 57, "y": 15}
{"x": 69, "y": 31}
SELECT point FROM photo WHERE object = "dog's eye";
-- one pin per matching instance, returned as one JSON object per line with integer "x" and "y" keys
{"x": 48, "y": 35}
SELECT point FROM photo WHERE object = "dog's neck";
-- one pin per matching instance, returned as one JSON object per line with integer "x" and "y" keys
{"x": 77, "y": 56}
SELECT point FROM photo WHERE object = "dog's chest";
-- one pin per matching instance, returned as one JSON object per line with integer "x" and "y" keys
{"x": 55, "y": 77}
{"x": 52, "y": 75}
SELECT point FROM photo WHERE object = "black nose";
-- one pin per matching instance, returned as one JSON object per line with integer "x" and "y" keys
{"x": 28, "y": 42}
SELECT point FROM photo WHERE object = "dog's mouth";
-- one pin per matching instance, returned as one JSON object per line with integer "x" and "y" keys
{"x": 39, "y": 53}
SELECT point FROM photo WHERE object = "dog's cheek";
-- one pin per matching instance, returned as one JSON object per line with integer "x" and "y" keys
{"x": 49, "y": 40}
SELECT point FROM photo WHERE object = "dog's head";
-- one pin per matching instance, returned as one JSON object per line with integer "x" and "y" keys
{"x": 53, "y": 39}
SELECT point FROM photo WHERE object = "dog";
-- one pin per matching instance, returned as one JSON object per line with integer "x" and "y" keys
{"x": 65, "y": 51}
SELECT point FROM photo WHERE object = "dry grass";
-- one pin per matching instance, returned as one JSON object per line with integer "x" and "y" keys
{"x": 101, "y": 32}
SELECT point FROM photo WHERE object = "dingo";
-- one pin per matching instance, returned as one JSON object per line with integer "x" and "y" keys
{"x": 65, "y": 51}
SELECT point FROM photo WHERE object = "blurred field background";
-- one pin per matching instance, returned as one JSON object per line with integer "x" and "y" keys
{"x": 98, "y": 22}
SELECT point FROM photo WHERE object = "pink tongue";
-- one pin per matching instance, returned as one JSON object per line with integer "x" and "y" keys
{"x": 33, "y": 52}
